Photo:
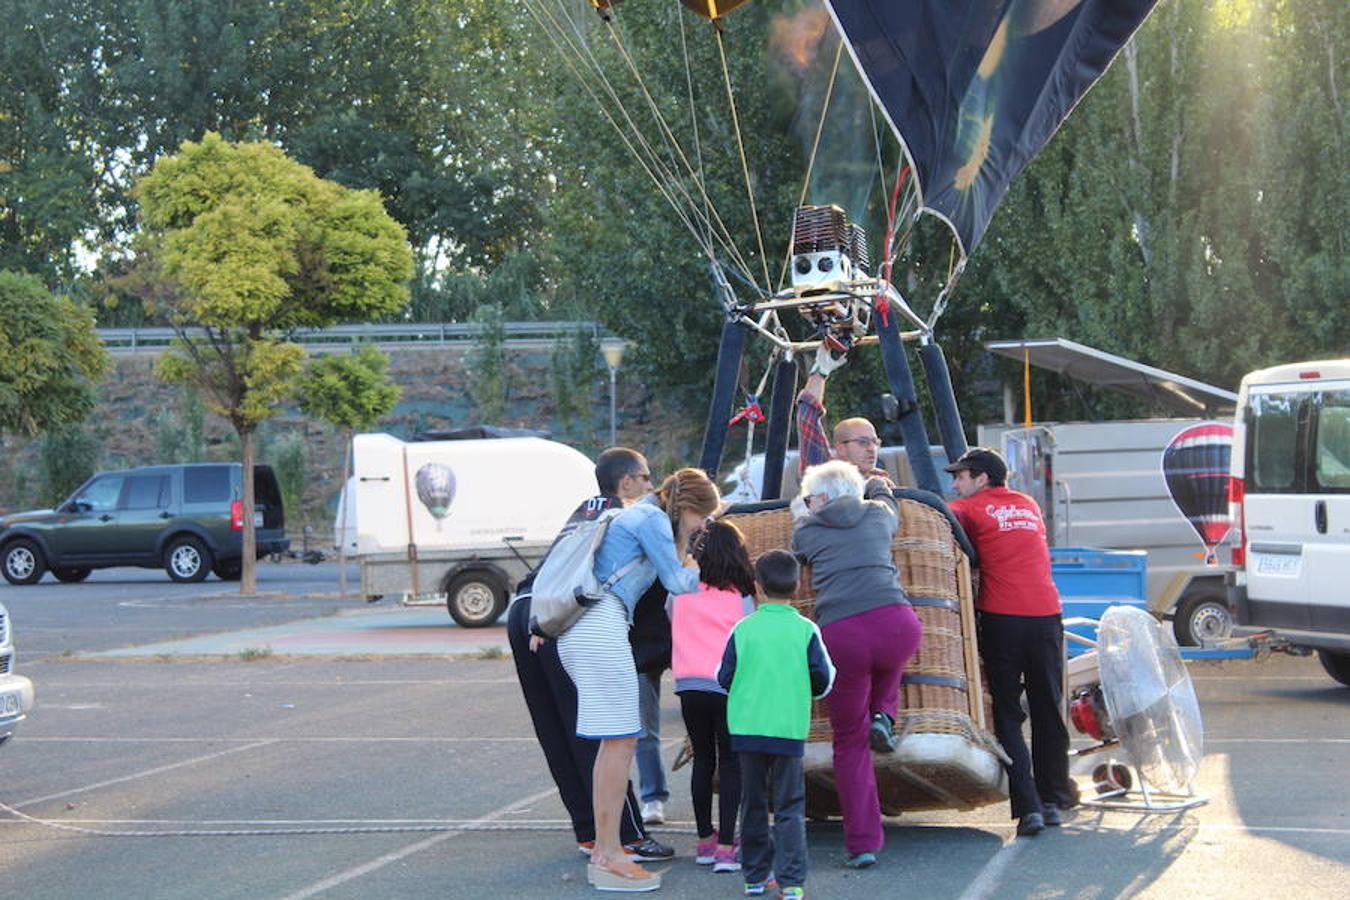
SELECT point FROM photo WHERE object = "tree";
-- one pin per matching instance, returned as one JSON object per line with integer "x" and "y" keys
{"x": 50, "y": 357}
{"x": 243, "y": 246}
{"x": 68, "y": 456}
{"x": 489, "y": 374}
{"x": 352, "y": 392}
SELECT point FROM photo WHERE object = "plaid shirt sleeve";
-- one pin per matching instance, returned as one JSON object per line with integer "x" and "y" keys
{"x": 813, "y": 447}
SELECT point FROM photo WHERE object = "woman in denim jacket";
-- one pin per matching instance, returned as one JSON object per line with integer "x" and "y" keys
{"x": 647, "y": 541}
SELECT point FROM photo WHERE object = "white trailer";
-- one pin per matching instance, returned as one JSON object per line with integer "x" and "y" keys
{"x": 1102, "y": 484}
{"x": 457, "y": 521}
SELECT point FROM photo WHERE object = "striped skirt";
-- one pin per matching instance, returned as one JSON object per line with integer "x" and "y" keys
{"x": 598, "y": 658}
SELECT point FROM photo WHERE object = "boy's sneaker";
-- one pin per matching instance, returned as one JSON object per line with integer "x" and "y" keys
{"x": 882, "y": 734}
{"x": 653, "y": 813}
{"x": 706, "y": 852}
{"x": 791, "y": 893}
{"x": 760, "y": 888}
{"x": 726, "y": 861}
{"x": 1052, "y": 816}
{"x": 648, "y": 850}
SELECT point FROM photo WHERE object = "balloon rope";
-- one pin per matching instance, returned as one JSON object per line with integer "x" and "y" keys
{"x": 673, "y": 146}
{"x": 740, "y": 148}
{"x": 665, "y": 182}
{"x": 882, "y": 304}
{"x": 693, "y": 121}
{"x": 815, "y": 146}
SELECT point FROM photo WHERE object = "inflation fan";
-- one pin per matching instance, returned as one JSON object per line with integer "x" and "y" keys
{"x": 1133, "y": 693}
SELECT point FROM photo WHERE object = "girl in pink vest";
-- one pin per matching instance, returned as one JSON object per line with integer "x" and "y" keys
{"x": 700, "y": 624}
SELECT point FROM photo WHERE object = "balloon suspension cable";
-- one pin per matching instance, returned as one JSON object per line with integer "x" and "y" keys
{"x": 815, "y": 147}
{"x": 752, "y": 413}
{"x": 693, "y": 122}
{"x": 572, "y": 47}
{"x": 740, "y": 148}
{"x": 954, "y": 269}
{"x": 888, "y": 243}
{"x": 672, "y": 143}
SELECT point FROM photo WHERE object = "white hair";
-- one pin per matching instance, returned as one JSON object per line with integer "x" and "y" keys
{"x": 834, "y": 479}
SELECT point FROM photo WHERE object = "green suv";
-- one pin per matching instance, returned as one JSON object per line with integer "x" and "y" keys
{"x": 189, "y": 519}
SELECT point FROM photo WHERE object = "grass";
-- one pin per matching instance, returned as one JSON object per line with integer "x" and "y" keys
{"x": 490, "y": 653}
{"x": 253, "y": 654}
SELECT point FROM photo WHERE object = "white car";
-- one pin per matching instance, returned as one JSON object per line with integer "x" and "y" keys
{"x": 16, "y": 692}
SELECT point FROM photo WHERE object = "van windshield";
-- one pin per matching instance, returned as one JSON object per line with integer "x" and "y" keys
{"x": 1332, "y": 454}
{"x": 1273, "y": 441}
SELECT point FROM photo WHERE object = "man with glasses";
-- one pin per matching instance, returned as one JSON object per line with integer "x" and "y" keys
{"x": 550, "y": 696}
{"x": 855, "y": 439}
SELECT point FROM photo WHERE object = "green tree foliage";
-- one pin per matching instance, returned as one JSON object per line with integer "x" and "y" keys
{"x": 244, "y": 245}
{"x": 353, "y": 391}
{"x": 179, "y": 434}
{"x": 68, "y": 456}
{"x": 489, "y": 375}
{"x": 50, "y": 357}
{"x": 574, "y": 371}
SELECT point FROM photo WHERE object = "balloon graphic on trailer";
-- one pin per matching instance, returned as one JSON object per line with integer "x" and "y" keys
{"x": 1195, "y": 467}
{"x": 436, "y": 489}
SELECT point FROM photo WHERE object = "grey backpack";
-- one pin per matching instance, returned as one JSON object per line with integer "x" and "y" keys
{"x": 566, "y": 584}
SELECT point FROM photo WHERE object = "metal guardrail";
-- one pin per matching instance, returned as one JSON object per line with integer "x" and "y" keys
{"x": 130, "y": 340}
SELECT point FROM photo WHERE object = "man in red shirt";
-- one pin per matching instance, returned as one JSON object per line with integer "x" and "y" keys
{"x": 1021, "y": 635}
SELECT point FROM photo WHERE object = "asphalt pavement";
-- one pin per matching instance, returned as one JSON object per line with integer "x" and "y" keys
{"x": 376, "y": 773}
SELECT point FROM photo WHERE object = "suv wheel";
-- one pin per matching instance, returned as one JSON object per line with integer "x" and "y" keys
{"x": 23, "y": 562}
{"x": 475, "y": 599}
{"x": 187, "y": 559}
{"x": 71, "y": 576}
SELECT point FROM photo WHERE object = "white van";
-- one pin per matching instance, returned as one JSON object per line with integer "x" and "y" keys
{"x": 1290, "y": 496}
{"x": 457, "y": 521}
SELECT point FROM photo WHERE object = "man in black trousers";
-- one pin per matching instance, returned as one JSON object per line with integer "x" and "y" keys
{"x": 1021, "y": 636}
{"x": 622, "y": 476}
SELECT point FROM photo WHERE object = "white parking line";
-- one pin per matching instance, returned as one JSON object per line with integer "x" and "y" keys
{"x": 135, "y": 775}
{"x": 989, "y": 880}
{"x": 382, "y": 861}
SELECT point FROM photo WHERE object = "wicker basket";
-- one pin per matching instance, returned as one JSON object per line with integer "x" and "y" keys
{"x": 946, "y": 759}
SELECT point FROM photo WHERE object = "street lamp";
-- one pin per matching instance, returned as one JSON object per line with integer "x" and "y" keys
{"x": 612, "y": 350}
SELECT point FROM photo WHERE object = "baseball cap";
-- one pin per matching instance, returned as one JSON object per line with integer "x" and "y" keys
{"x": 981, "y": 460}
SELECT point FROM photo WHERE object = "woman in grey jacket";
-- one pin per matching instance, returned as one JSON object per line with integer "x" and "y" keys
{"x": 870, "y": 631}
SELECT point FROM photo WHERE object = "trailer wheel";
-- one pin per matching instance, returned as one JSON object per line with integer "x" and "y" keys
{"x": 1202, "y": 617}
{"x": 475, "y": 599}
{"x": 1337, "y": 665}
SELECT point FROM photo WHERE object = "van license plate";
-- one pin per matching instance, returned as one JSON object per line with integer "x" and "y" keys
{"x": 9, "y": 705}
{"x": 1286, "y": 564}
{"x": 257, "y": 520}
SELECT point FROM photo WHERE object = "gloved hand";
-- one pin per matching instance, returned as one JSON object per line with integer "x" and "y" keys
{"x": 826, "y": 362}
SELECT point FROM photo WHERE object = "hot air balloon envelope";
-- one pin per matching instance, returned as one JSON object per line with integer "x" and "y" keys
{"x": 1195, "y": 467}
{"x": 974, "y": 88}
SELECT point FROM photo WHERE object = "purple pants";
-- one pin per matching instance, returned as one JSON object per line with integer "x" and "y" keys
{"x": 870, "y": 651}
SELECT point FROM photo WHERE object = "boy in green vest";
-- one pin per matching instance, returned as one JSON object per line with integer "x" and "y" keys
{"x": 775, "y": 662}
